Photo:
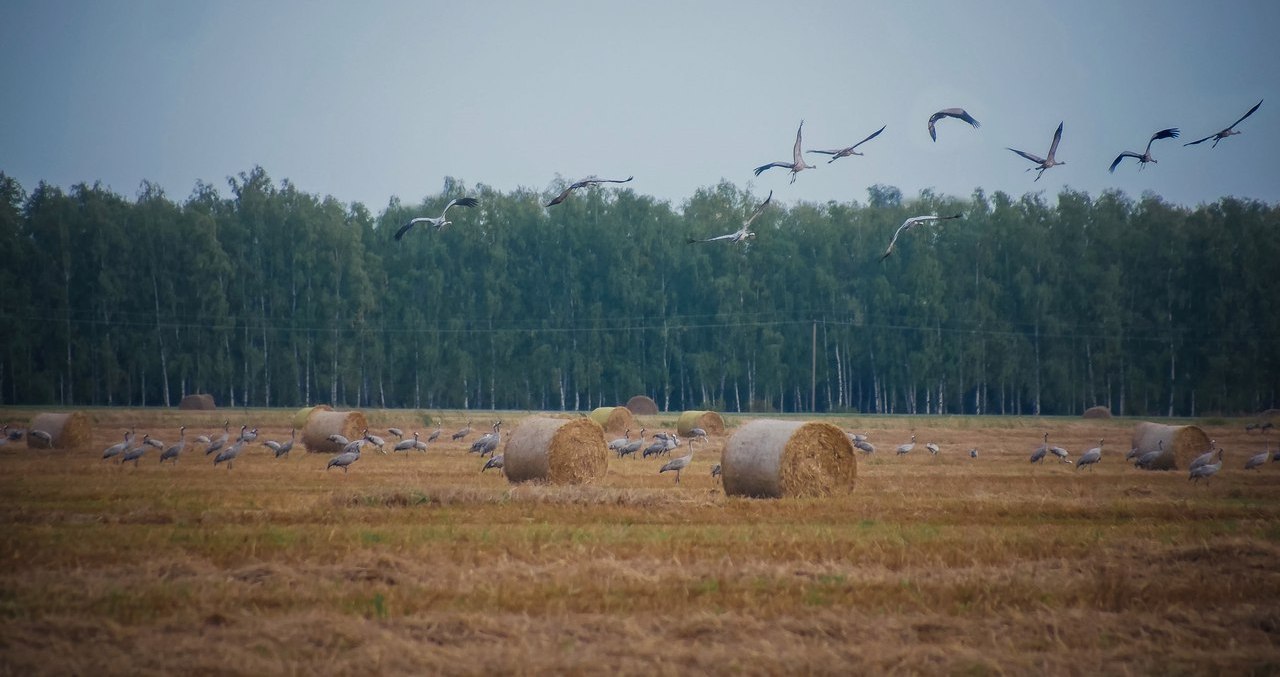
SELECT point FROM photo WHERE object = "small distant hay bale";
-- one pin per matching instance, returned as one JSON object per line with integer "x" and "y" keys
{"x": 777, "y": 459}
{"x": 1182, "y": 443}
{"x": 67, "y": 431}
{"x": 1097, "y": 412}
{"x": 642, "y": 405}
{"x": 613, "y": 419}
{"x": 709, "y": 421}
{"x": 300, "y": 418}
{"x": 198, "y": 402}
{"x": 556, "y": 450}
{"x": 321, "y": 423}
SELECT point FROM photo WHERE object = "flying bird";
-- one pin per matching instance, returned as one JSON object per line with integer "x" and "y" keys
{"x": 846, "y": 152}
{"x": 590, "y": 180}
{"x": 1145, "y": 157}
{"x": 957, "y": 113}
{"x": 744, "y": 233}
{"x": 797, "y": 164}
{"x": 1043, "y": 163}
{"x": 1229, "y": 131}
{"x": 438, "y": 222}
{"x": 912, "y": 223}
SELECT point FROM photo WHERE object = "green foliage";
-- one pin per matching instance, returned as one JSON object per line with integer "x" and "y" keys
{"x": 274, "y": 297}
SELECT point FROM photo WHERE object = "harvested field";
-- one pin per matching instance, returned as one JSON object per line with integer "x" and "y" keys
{"x": 418, "y": 563}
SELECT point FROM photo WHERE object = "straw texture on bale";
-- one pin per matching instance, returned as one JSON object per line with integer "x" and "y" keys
{"x": 709, "y": 421}
{"x": 784, "y": 459}
{"x": 613, "y": 419}
{"x": 642, "y": 405}
{"x": 198, "y": 402}
{"x": 1097, "y": 412}
{"x": 69, "y": 431}
{"x": 321, "y": 424}
{"x": 300, "y": 418}
{"x": 556, "y": 450}
{"x": 1182, "y": 443}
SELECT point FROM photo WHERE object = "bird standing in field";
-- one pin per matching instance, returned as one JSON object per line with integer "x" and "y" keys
{"x": 495, "y": 461}
{"x": 1145, "y": 157}
{"x": 1206, "y": 471}
{"x": 1061, "y": 454}
{"x": 797, "y": 163}
{"x": 933, "y": 448}
{"x": 1257, "y": 460}
{"x": 230, "y": 454}
{"x": 350, "y": 454}
{"x": 1043, "y": 163}
{"x": 678, "y": 464}
{"x": 957, "y": 113}
{"x": 973, "y": 453}
{"x": 1090, "y": 457}
{"x": 1148, "y": 459}
{"x": 221, "y": 440}
{"x": 406, "y": 445}
{"x": 438, "y": 222}
{"x": 589, "y": 181}
{"x": 172, "y": 453}
{"x": 865, "y": 446}
{"x": 630, "y": 448}
{"x": 1204, "y": 458}
{"x": 906, "y": 448}
{"x": 135, "y": 454}
{"x": 376, "y": 441}
{"x": 912, "y": 223}
{"x": 118, "y": 448}
{"x": 1039, "y": 453}
{"x": 1229, "y": 131}
{"x": 462, "y": 433}
{"x": 621, "y": 442}
{"x": 435, "y": 434}
{"x": 282, "y": 449}
{"x": 851, "y": 150}
{"x": 42, "y": 436}
{"x": 744, "y": 233}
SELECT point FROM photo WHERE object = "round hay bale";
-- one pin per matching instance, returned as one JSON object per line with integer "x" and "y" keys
{"x": 320, "y": 424}
{"x": 67, "y": 431}
{"x": 556, "y": 450}
{"x": 1097, "y": 412}
{"x": 198, "y": 402}
{"x": 300, "y": 418}
{"x": 642, "y": 405}
{"x": 709, "y": 421}
{"x": 613, "y": 419}
{"x": 1182, "y": 443}
{"x": 776, "y": 459}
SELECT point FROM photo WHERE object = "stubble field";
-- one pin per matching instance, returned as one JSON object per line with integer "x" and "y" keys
{"x": 422, "y": 564}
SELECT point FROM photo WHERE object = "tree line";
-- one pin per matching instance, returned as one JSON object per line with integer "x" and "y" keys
{"x": 270, "y": 296}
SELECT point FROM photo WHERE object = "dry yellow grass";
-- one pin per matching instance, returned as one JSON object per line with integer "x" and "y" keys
{"x": 419, "y": 563}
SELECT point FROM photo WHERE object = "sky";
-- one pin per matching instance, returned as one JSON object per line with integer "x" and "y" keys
{"x": 369, "y": 100}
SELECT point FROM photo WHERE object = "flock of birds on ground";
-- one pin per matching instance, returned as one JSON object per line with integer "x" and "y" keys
{"x": 224, "y": 449}
{"x": 798, "y": 164}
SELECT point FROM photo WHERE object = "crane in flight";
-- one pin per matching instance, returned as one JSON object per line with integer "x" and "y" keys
{"x": 957, "y": 113}
{"x": 838, "y": 153}
{"x": 437, "y": 222}
{"x": 744, "y": 233}
{"x": 589, "y": 181}
{"x": 1229, "y": 131}
{"x": 796, "y": 165}
{"x": 1043, "y": 163}
{"x": 1145, "y": 157}
{"x": 912, "y": 223}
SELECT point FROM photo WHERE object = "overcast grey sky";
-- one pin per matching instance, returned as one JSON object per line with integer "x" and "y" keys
{"x": 368, "y": 100}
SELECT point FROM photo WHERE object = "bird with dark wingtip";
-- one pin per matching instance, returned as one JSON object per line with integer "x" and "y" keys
{"x": 437, "y": 222}
{"x": 744, "y": 233}
{"x": 912, "y": 223}
{"x": 797, "y": 163}
{"x": 957, "y": 113}
{"x": 1043, "y": 163}
{"x": 1229, "y": 131}
{"x": 589, "y": 181}
{"x": 838, "y": 153}
{"x": 1145, "y": 157}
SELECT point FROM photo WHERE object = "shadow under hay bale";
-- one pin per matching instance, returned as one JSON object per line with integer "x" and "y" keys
{"x": 320, "y": 424}
{"x": 785, "y": 459}
{"x": 197, "y": 402}
{"x": 1097, "y": 412}
{"x": 613, "y": 419}
{"x": 556, "y": 450}
{"x": 66, "y": 431}
{"x": 642, "y": 405}
{"x": 300, "y": 418}
{"x": 1182, "y": 443}
{"x": 709, "y": 421}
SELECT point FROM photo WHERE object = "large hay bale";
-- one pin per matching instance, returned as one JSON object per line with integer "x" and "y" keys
{"x": 556, "y": 450}
{"x": 1097, "y": 412}
{"x": 776, "y": 459}
{"x": 198, "y": 402}
{"x": 1182, "y": 443}
{"x": 642, "y": 405}
{"x": 300, "y": 418}
{"x": 322, "y": 423}
{"x": 68, "y": 431}
{"x": 613, "y": 419}
{"x": 709, "y": 421}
